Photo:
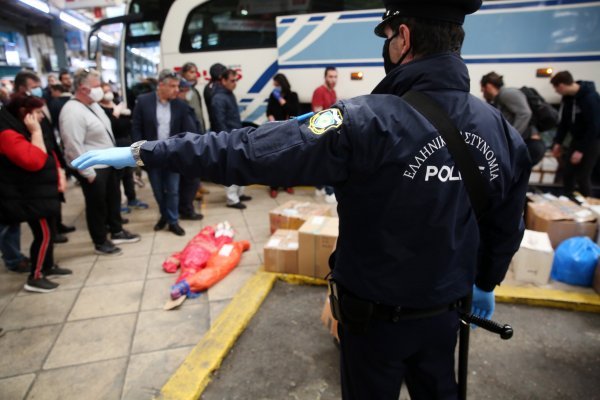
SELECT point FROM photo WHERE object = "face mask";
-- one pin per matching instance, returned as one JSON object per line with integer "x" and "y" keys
{"x": 108, "y": 96}
{"x": 388, "y": 65}
{"x": 37, "y": 92}
{"x": 96, "y": 94}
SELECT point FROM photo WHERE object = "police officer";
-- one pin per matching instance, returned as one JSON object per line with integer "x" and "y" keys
{"x": 409, "y": 243}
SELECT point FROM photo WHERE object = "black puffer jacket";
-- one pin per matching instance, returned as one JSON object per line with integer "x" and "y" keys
{"x": 26, "y": 195}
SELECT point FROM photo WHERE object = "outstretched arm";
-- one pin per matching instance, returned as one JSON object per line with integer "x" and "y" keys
{"x": 278, "y": 153}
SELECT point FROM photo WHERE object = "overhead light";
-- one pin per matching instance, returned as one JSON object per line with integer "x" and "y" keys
{"x": 82, "y": 26}
{"x": 107, "y": 38}
{"x": 244, "y": 12}
{"x": 37, "y": 4}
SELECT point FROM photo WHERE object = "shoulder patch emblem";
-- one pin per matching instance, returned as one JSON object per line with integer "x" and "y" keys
{"x": 325, "y": 120}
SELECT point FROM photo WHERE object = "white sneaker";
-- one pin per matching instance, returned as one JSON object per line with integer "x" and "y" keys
{"x": 330, "y": 198}
{"x": 320, "y": 192}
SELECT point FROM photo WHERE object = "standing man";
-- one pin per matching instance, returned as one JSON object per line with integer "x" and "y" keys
{"x": 226, "y": 116}
{"x": 188, "y": 186}
{"x": 215, "y": 71}
{"x": 158, "y": 115}
{"x": 324, "y": 97}
{"x": 580, "y": 115}
{"x": 410, "y": 245}
{"x": 513, "y": 105}
{"x": 65, "y": 79}
{"x": 83, "y": 127}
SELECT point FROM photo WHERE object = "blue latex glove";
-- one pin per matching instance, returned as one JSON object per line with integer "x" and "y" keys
{"x": 277, "y": 93}
{"x": 118, "y": 157}
{"x": 483, "y": 303}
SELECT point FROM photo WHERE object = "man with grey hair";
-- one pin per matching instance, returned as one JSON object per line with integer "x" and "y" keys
{"x": 158, "y": 115}
{"x": 83, "y": 127}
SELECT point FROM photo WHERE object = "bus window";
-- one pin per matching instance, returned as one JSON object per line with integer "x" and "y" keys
{"x": 232, "y": 24}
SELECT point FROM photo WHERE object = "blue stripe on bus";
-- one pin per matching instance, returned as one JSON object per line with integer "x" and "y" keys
{"x": 488, "y": 6}
{"x": 468, "y": 61}
{"x": 316, "y": 18}
{"x": 287, "y": 20}
{"x": 246, "y": 101}
{"x": 296, "y": 39}
{"x": 337, "y": 65}
{"x": 365, "y": 15}
{"x": 264, "y": 78}
{"x": 532, "y": 59}
{"x": 260, "y": 111}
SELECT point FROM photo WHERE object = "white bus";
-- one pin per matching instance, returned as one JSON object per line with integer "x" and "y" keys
{"x": 523, "y": 40}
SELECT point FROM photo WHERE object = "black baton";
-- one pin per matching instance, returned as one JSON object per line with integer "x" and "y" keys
{"x": 466, "y": 319}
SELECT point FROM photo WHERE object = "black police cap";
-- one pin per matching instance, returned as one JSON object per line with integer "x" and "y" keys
{"x": 442, "y": 10}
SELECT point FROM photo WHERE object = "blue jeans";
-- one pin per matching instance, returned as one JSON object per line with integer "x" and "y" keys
{"x": 10, "y": 245}
{"x": 165, "y": 186}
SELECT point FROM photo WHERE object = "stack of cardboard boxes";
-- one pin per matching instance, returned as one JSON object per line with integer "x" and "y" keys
{"x": 545, "y": 170}
{"x": 304, "y": 235}
{"x": 549, "y": 221}
{"x": 560, "y": 218}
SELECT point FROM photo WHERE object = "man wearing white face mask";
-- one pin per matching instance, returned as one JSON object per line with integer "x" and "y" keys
{"x": 84, "y": 126}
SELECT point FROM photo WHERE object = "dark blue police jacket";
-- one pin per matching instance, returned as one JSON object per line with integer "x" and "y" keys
{"x": 408, "y": 235}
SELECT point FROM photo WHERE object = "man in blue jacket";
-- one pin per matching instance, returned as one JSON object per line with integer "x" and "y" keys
{"x": 410, "y": 245}
{"x": 159, "y": 115}
{"x": 579, "y": 115}
{"x": 226, "y": 117}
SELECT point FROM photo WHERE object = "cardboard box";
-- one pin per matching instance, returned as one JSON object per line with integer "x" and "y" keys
{"x": 281, "y": 252}
{"x": 561, "y": 219}
{"x": 549, "y": 163}
{"x": 533, "y": 262}
{"x": 328, "y": 320}
{"x": 293, "y": 214}
{"x": 548, "y": 177}
{"x": 535, "y": 177}
{"x": 317, "y": 239}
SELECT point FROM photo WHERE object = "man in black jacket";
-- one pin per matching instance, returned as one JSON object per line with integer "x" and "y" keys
{"x": 580, "y": 115}
{"x": 226, "y": 117}
{"x": 158, "y": 115}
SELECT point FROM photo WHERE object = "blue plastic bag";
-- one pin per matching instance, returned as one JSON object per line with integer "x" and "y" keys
{"x": 575, "y": 261}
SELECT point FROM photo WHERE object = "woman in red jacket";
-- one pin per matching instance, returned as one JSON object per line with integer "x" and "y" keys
{"x": 30, "y": 180}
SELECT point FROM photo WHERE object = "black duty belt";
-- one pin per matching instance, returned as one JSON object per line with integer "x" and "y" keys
{"x": 397, "y": 313}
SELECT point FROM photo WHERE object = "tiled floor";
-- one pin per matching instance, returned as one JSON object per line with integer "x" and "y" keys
{"x": 103, "y": 334}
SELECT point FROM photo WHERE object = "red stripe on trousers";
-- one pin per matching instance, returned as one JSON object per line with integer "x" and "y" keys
{"x": 43, "y": 248}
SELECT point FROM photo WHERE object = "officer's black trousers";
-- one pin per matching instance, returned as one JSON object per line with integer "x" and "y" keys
{"x": 421, "y": 352}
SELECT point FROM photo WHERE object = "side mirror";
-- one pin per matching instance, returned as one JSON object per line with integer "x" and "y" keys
{"x": 93, "y": 46}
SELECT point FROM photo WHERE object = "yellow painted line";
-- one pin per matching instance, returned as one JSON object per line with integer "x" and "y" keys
{"x": 192, "y": 377}
{"x": 300, "y": 279}
{"x": 549, "y": 298}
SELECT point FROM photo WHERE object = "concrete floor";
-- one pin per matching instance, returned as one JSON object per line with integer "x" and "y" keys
{"x": 286, "y": 353}
{"x": 103, "y": 333}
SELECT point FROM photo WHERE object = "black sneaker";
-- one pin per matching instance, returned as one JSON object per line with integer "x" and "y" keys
{"x": 160, "y": 225}
{"x": 245, "y": 198}
{"x": 239, "y": 205}
{"x": 24, "y": 266}
{"x": 107, "y": 249}
{"x": 56, "y": 270}
{"x": 60, "y": 238}
{"x": 125, "y": 237}
{"x": 176, "y": 229}
{"x": 41, "y": 285}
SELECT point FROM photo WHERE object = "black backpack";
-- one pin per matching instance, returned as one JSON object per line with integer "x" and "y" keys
{"x": 544, "y": 116}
